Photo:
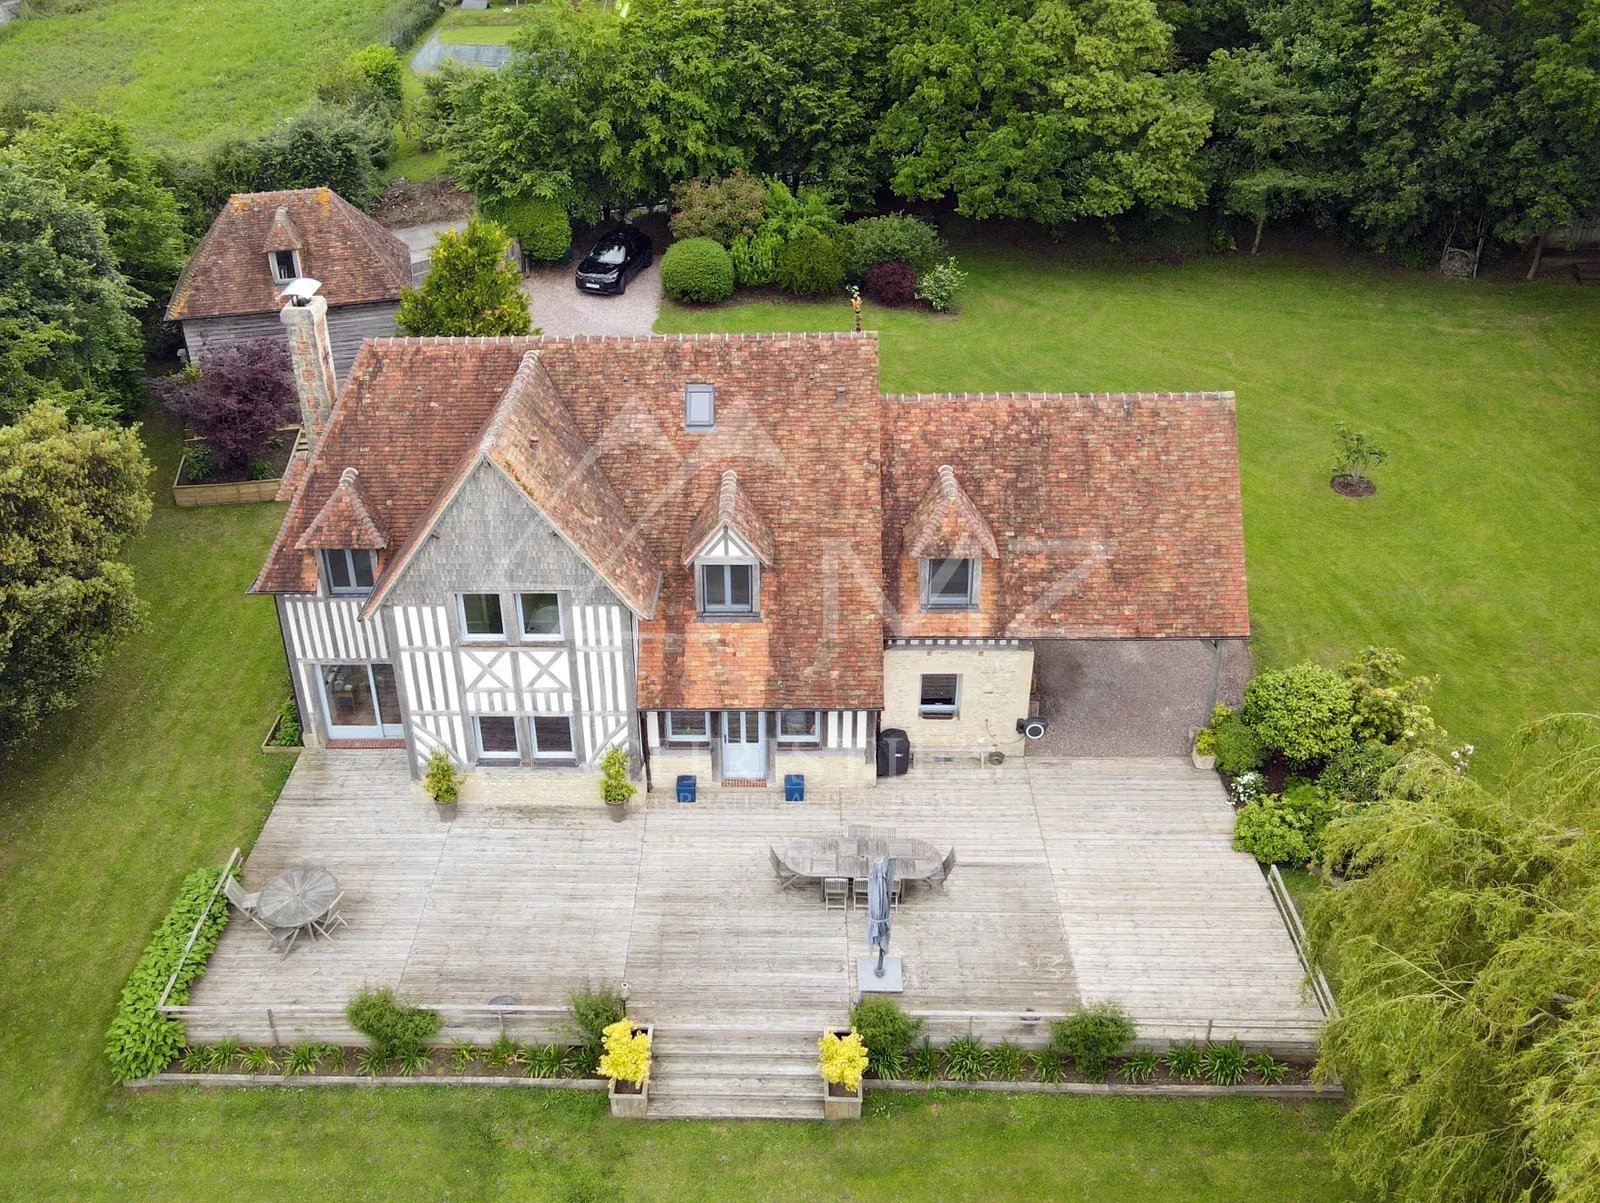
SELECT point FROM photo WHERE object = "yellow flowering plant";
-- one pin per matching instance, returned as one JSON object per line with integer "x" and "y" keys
{"x": 843, "y": 1060}
{"x": 627, "y": 1053}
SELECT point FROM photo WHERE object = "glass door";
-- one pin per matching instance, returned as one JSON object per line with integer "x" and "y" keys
{"x": 361, "y": 701}
{"x": 744, "y": 747}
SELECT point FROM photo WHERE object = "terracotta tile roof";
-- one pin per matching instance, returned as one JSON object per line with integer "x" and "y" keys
{"x": 947, "y": 523}
{"x": 343, "y": 520}
{"x": 1116, "y": 515}
{"x": 729, "y": 506}
{"x": 356, "y": 259}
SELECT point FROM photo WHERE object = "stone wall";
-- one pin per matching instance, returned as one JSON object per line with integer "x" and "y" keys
{"x": 994, "y": 690}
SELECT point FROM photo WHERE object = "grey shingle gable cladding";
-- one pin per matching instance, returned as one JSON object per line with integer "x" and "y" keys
{"x": 491, "y": 539}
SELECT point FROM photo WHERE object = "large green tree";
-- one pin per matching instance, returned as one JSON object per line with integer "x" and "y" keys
{"x": 68, "y": 330}
{"x": 71, "y": 496}
{"x": 94, "y": 159}
{"x": 1466, "y": 947}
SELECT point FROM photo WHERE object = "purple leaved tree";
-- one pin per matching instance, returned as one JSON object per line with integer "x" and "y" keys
{"x": 236, "y": 402}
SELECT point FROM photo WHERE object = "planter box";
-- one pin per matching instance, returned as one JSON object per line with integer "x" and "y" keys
{"x": 1204, "y": 763}
{"x": 272, "y": 749}
{"x": 840, "y": 1106}
{"x": 238, "y": 492}
{"x": 626, "y": 1104}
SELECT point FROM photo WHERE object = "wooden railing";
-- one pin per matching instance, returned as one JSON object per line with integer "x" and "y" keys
{"x": 194, "y": 934}
{"x": 1297, "y": 932}
{"x": 289, "y": 1023}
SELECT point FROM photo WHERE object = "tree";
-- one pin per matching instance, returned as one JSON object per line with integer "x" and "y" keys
{"x": 71, "y": 496}
{"x": 1466, "y": 947}
{"x": 325, "y": 146}
{"x": 236, "y": 401}
{"x": 67, "y": 327}
{"x": 94, "y": 159}
{"x": 470, "y": 288}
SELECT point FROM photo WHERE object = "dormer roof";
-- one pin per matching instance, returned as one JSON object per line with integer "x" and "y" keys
{"x": 730, "y": 510}
{"x": 283, "y": 235}
{"x": 947, "y": 524}
{"x": 344, "y": 520}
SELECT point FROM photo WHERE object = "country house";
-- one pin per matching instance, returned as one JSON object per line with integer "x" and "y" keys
{"x": 733, "y": 555}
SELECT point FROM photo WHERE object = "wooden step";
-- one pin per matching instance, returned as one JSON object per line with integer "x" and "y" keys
{"x": 715, "y": 1106}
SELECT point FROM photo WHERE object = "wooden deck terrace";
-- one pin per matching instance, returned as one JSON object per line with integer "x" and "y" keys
{"x": 1077, "y": 881}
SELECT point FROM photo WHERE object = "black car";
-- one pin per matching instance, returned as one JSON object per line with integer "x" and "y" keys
{"x": 614, "y": 260}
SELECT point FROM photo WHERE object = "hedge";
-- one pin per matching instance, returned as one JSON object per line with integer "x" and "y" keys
{"x": 540, "y": 226}
{"x": 810, "y": 266}
{"x": 140, "y": 1041}
{"x": 890, "y": 239}
{"x": 697, "y": 269}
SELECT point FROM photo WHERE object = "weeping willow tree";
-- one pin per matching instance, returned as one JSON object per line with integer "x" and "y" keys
{"x": 1466, "y": 946}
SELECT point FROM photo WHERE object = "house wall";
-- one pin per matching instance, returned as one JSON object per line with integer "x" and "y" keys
{"x": 995, "y": 680}
{"x": 319, "y": 630}
{"x": 493, "y": 540}
{"x": 845, "y": 755}
{"x": 348, "y": 327}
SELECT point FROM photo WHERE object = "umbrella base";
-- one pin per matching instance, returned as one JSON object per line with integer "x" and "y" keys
{"x": 867, "y": 981}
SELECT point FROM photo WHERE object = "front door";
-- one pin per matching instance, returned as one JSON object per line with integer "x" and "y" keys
{"x": 744, "y": 745}
{"x": 361, "y": 701}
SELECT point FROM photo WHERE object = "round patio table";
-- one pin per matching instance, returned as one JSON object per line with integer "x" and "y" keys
{"x": 296, "y": 897}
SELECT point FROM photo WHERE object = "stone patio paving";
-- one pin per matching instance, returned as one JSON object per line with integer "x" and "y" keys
{"x": 1076, "y": 881}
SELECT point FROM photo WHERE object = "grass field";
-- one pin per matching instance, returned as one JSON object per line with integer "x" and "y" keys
{"x": 158, "y": 771}
{"x": 1476, "y": 558}
{"x": 184, "y": 72}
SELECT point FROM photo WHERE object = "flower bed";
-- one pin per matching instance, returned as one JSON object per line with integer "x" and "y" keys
{"x": 504, "y": 1062}
{"x": 261, "y": 484}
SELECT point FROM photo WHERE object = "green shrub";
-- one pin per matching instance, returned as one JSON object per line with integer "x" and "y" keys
{"x": 721, "y": 209}
{"x": 885, "y": 1029}
{"x": 394, "y": 1030}
{"x": 1386, "y": 705}
{"x": 407, "y": 20}
{"x": 810, "y": 266}
{"x": 697, "y": 269}
{"x": 287, "y": 734}
{"x": 890, "y": 239}
{"x": 442, "y": 780}
{"x": 1004, "y": 1062}
{"x": 1091, "y": 1037}
{"x": 1355, "y": 775}
{"x": 540, "y": 226}
{"x": 370, "y": 81}
{"x": 1047, "y": 1068}
{"x": 198, "y": 464}
{"x": 755, "y": 259}
{"x": 1235, "y": 745}
{"x": 140, "y": 1041}
{"x": 791, "y": 216}
{"x": 1224, "y": 1063}
{"x": 1185, "y": 1061}
{"x": 1140, "y": 1067}
{"x": 1268, "y": 1068}
{"x": 940, "y": 285}
{"x": 325, "y": 145}
{"x": 1286, "y": 829}
{"x": 1303, "y": 711}
{"x": 615, "y": 788}
{"x": 965, "y": 1059}
{"x": 594, "y": 1009}
{"x": 923, "y": 1064}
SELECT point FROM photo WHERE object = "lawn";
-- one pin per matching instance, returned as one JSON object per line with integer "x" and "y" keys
{"x": 182, "y": 72}
{"x": 1476, "y": 556}
{"x": 158, "y": 770}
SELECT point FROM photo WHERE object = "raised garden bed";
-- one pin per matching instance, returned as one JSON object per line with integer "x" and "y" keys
{"x": 509, "y": 1064}
{"x": 236, "y": 489}
{"x": 277, "y": 749}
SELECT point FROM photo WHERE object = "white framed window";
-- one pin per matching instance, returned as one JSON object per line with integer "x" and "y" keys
{"x": 285, "y": 265}
{"x": 552, "y": 737}
{"x": 497, "y": 739}
{"x": 348, "y": 570}
{"x": 799, "y": 726}
{"x": 481, "y": 617}
{"x": 540, "y": 615}
{"x": 688, "y": 726}
{"x": 949, "y": 584}
{"x": 728, "y": 588}
{"x": 699, "y": 406}
{"x": 940, "y": 696}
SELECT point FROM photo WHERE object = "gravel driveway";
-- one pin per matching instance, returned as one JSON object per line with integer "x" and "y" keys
{"x": 560, "y": 309}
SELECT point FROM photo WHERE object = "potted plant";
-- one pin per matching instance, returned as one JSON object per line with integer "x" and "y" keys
{"x": 615, "y": 788}
{"x": 842, "y": 1061}
{"x": 1203, "y": 748}
{"x": 443, "y": 783}
{"x": 626, "y": 1061}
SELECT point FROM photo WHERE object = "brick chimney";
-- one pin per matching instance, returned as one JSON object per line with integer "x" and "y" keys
{"x": 312, "y": 354}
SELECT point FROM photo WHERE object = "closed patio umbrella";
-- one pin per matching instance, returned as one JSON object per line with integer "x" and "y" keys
{"x": 880, "y": 882}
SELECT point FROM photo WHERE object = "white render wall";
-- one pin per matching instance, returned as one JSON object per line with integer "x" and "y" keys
{"x": 996, "y": 679}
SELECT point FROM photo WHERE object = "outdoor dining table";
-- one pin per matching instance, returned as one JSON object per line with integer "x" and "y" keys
{"x": 838, "y": 856}
{"x": 297, "y": 897}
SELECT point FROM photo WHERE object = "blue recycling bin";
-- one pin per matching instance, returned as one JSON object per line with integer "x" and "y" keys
{"x": 686, "y": 787}
{"x": 794, "y": 787}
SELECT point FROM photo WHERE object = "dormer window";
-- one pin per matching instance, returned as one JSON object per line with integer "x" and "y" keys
{"x": 949, "y": 584}
{"x": 728, "y": 588}
{"x": 348, "y": 570}
{"x": 285, "y": 265}
{"x": 699, "y": 406}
